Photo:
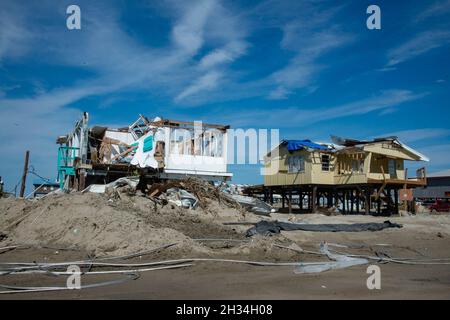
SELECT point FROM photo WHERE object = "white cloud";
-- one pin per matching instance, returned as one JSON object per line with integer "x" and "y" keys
{"x": 438, "y": 154}
{"x": 279, "y": 93}
{"x": 206, "y": 82}
{"x": 115, "y": 62}
{"x": 14, "y": 36}
{"x": 436, "y": 9}
{"x": 188, "y": 32}
{"x": 420, "y": 44}
{"x": 301, "y": 117}
{"x": 301, "y": 37}
{"x": 414, "y": 135}
{"x": 226, "y": 54}
{"x": 227, "y": 33}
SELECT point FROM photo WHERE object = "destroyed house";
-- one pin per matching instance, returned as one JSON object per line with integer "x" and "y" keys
{"x": 156, "y": 148}
{"x": 349, "y": 174}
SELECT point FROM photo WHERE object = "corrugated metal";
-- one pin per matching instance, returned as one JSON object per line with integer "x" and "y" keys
{"x": 432, "y": 192}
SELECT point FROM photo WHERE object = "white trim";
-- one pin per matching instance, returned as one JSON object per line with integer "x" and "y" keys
{"x": 199, "y": 172}
{"x": 411, "y": 150}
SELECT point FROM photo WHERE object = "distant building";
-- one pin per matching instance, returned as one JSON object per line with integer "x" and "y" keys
{"x": 43, "y": 187}
{"x": 438, "y": 187}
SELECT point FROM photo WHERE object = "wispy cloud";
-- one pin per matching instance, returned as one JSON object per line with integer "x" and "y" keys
{"x": 438, "y": 154}
{"x": 188, "y": 33}
{"x": 437, "y": 8}
{"x": 418, "y": 45}
{"x": 206, "y": 82}
{"x": 309, "y": 38}
{"x": 14, "y": 36}
{"x": 115, "y": 61}
{"x": 226, "y": 54}
{"x": 217, "y": 25}
{"x": 301, "y": 117}
{"x": 415, "y": 135}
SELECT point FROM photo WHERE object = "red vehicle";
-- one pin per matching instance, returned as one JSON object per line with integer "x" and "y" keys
{"x": 440, "y": 206}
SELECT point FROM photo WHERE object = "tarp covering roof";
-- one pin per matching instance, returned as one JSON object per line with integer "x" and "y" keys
{"x": 294, "y": 145}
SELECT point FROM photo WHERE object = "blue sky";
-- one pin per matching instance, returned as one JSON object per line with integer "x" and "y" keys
{"x": 309, "y": 68}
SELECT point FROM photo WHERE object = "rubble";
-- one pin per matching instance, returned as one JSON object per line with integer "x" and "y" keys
{"x": 253, "y": 204}
{"x": 119, "y": 217}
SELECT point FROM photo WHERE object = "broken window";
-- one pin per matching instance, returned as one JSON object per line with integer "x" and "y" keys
{"x": 140, "y": 127}
{"x": 187, "y": 142}
{"x": 296, "y": 164}
{"x": 325, "y": 162}
{"x": 392, "y": 167}
{"x": 357, "y": 165}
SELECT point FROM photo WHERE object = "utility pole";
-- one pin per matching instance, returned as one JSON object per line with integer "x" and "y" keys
{"x": 24, "y": 176}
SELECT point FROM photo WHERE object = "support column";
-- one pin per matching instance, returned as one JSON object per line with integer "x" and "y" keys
{"x": 24, "y": 174}
{"x": 396, "y": 200}
{"x": 314, "y": 199}
{"x": 290, "y": 201}
{"x": 352, "y": 200}
{"x": 300, "y": 199}
{"x": 358, "y": 198}
{"x": 367, "y": 202}
{"x": 343, "y": 202}
{"x": 379, "y": 205}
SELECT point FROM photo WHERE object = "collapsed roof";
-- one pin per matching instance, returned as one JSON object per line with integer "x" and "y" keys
{"x": 345, "y": 145}
{"x": 351, "y": 143}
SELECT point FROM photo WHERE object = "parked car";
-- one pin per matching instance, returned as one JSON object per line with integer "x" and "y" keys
{"x": 440, "y": 206}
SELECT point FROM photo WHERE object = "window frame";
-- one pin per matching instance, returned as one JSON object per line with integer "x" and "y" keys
{"x": 328, "y": 165}
{"x": 292, "y": 161}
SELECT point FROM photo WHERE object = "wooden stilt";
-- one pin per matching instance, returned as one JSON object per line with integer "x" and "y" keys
{"x": 396, "y": 200}
{"x": 367, "y": 202}
{"x": 290, "y": 201}
{"x": 24, "y": 174}
{"x": 314, "y": 199}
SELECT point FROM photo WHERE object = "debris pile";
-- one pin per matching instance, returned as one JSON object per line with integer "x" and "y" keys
{"x": 119, "y": 217}
{"x": 193, "y": 188}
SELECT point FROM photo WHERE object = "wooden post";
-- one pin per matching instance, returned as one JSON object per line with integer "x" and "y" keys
{"x": 290, "y": 201}
{"x": 352, "y": 200}
{"x": 82, "y": 184}
{"x": 343, "y": 202}
{"x": 357, "y": 201}
{"x": 282, "y": 199}
{"x": 318, "y": 198}
{"x": 330, "y": 198}
{"x": 300, "y": 199}
{"x": 367, "y": 202}
{"x": 379, "y": 205}
{"x": 396, "y": 200}
{"x": 314, "y": 199}
{"x": 24, "y": 175}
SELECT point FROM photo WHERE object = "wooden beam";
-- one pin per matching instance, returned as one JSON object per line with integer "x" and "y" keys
{"x": 396, "y": 201}
{"x": 24, "y": 174}
{"x": 314, "y": 199}
{"x": 367, "y": 202}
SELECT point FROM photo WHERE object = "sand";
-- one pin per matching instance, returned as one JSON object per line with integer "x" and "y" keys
{"x": 95, "y": 225}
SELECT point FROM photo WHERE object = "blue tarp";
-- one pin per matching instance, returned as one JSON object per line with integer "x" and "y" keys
{"x": 293, "y": 145}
